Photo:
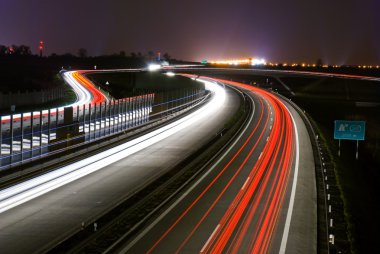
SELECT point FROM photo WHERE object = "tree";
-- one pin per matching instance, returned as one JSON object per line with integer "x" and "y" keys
{"x": 3, "y": 50}
{"x": 133, "y": 55}
{"x": 22, "y": 50}
{"x": 68, "y": 55}
{"x": 319, "y": 62}
{"x": 12, "y": 50}
{"x": 167, "y": 56}
{"x": 82, "y": 52}
{"x": 150, "y": 54}
{"x": 122, "y": 53}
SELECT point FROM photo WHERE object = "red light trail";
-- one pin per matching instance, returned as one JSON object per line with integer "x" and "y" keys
{"x": 251, "y": 218}
{"x": 96, "y": 97}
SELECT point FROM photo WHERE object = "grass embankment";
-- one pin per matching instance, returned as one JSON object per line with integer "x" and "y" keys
{"x": 22, "y": 73}
{"x": 125, "y": 84}
{"x": 327, "y": 100}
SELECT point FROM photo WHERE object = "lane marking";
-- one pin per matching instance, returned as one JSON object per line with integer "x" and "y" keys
{"x": 245, "y": 183}
{"x": 189, "y": 190}
{"x": 293, "y": 193}
{"x": 210, "y": 238}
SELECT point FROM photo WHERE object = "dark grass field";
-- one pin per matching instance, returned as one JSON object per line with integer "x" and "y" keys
{"x": 124, "y": 84}
{"x": 330, "y": 99}
{"x": 33, "y": 72}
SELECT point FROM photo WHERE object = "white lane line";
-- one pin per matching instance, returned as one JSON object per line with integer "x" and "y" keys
{"x": 210, "y": 238}
{"x": 184, "y": 195}
{"x": 245, "y": 184}
{"x": 293, "y": 193}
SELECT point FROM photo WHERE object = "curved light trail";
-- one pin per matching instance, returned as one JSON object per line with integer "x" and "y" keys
{"x": 38, "y": 186}
{"x": 293, "y": 72}
{"x": 239, "y": 217}
{"x": 242, "y": 206}
{"x": 85, "y": 90}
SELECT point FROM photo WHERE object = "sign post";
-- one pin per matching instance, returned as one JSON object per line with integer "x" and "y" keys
{"x": 349, "y": 130}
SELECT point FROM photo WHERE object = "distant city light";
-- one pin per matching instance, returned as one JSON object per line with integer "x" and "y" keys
{"x": 258, "y": 61}
{"x": 262, "y": 62}
{"x": 244, "y": 61}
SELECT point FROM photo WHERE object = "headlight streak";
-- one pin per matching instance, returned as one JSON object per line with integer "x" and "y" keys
{"x": 85, "y": 91}
{"x": 83, "y": 95}
{"x": 84, "y": 88}
{"x": 38, "y": 186}
{"x": 266, "y": 186}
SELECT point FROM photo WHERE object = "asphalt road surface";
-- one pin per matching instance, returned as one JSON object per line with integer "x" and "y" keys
{"x": 258, "y": 197}
{"x": 36, "y": 225}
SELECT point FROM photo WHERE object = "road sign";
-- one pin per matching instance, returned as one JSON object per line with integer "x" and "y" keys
{"x": 349, "y": 130}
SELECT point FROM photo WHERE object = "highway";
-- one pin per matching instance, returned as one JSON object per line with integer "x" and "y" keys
{"x": 260, "y": 196}
{"x": 46, "y": 219}
{"x": 248, "y": 201}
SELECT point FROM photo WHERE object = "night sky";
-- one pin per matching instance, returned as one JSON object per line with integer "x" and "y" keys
{"x": 337, "y": 31}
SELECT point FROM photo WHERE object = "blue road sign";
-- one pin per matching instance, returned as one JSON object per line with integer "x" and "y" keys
{"x": 350, "y": 130}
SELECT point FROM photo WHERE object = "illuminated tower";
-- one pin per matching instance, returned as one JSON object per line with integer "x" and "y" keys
{"x": 41, "y": 47}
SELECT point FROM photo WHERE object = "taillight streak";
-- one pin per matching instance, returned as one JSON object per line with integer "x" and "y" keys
{"x": 212, "y": 183}
{"x": 253, "y": 214}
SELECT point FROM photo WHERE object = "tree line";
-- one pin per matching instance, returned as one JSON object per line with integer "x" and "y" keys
{"x": 18, "y": 50}
{"x": 24, "y": 50}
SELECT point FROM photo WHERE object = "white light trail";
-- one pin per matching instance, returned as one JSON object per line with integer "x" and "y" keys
{"x": 28, "y": 190}
{"x": 83, "y": 95}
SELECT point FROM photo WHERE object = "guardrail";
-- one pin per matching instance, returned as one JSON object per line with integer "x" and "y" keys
{"x": 30, "y": 136}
